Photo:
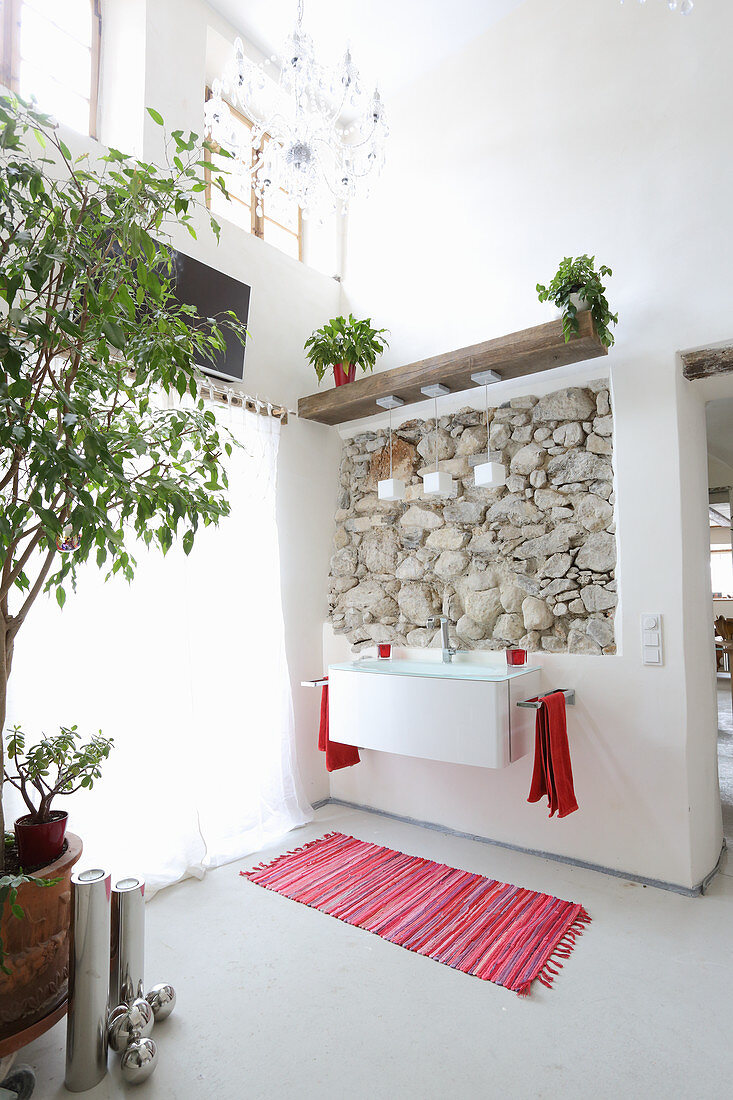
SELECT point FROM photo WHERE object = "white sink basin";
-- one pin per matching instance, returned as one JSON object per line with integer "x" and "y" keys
{"x": 455, "y": 670}
{"x": 458, "y": 713}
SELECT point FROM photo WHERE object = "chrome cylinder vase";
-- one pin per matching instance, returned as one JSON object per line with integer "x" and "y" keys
{"x": 86, "y": 1025}
{"x": 127, "y": 942}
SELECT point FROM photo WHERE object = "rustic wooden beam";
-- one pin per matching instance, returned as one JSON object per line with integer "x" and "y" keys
{"x": 707, "y": 363}
{"x": 521, "y": 353}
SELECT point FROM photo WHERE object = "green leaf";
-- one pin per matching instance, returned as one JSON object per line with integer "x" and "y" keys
{"x": 155, "y": 115}
{"x": 60, "y": 597}
{"x": 114, "y": 334}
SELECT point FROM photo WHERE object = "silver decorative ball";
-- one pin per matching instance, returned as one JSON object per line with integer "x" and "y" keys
{"x": 138, "y": 1061}
{"x": 114, "y": 1013}
{"x": 162, "y": 1000}
{"x": 136, "y": 1022}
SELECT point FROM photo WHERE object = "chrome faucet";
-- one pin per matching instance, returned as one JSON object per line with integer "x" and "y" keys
{"x": 448, "y": 649}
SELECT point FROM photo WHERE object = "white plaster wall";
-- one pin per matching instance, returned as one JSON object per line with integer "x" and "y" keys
{"x": 574, "y": 127}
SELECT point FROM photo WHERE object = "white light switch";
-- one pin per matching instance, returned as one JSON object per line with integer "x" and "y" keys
{"x": 652, "y": 651}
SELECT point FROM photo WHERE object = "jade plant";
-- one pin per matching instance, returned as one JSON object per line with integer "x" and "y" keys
{"x": 92, "y": 338}
{"x": 56, "y": 765}
{"x": 578, "y": 277}
{"x": 345, "y": 341}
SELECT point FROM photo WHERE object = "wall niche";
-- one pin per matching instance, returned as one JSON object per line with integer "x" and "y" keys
{"x": 531, "y": 563}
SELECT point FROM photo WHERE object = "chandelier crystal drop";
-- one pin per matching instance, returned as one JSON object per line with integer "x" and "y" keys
{"x": 315, "y": 132}
{"x": 684, "y": 7}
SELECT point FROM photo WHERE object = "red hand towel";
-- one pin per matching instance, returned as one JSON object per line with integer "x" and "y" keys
{"x": 337, "y": 755}
{"x": 552, "y": 774}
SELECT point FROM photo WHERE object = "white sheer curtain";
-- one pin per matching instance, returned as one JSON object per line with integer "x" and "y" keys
{"x": 186, "y": 669}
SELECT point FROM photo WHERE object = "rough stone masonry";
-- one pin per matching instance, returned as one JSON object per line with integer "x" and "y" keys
{"x": 531, "y": 563}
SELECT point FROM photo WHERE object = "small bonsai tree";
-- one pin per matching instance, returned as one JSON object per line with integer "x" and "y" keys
{"x": 351, "y": 342}
{"x": 91, "y": 331}
{"x": 55, "y": 765}
{"x": 579, "y": 277}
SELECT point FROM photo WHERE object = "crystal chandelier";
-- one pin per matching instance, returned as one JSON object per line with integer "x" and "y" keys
{"x": 682, "y": 6}
{"x": 314, "y": 131}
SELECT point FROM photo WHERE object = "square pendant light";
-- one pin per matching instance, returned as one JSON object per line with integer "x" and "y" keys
{"x": 485, "y": 377}
{"x": 436, "y": 390}
{"x": 490, "y": 475}
{"x": 391, "y": 489}
{"x": 438, "y": 483}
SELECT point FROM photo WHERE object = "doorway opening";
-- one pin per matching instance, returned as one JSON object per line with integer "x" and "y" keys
{"x": 719, "y": 419}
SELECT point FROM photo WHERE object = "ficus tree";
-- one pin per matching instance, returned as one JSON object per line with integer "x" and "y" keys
{"x": 91, "y": 335}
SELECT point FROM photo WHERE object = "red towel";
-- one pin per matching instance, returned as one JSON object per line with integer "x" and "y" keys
{"x": 337, "y": 755}
{"x": 553, "y": 774}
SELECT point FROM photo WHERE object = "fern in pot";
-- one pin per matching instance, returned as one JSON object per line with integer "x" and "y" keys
{"x": 345, "y": 344}
{"x": 56, "y": 765}
{"x": 577, "y": 286}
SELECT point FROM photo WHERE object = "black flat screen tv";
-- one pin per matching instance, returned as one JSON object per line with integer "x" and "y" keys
{"x": 211, "y": 292}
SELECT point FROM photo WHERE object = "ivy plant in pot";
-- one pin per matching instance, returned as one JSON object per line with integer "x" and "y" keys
{"x": 345, "y": 344}
{"x": 10, "y": 885}
{"x": 577, "y": 286}
{"x": 55, "y": 765}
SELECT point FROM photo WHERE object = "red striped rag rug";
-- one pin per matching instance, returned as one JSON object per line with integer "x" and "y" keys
{"x": 495, "y": 931}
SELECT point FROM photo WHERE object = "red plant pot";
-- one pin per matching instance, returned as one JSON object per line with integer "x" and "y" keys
{"x": 39, "y": 844}
{"x": 343, "y": 373}
{"x": 516, "y": 656}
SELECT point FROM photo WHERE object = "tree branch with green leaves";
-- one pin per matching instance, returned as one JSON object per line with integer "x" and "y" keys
{"x": 92, "y": 340}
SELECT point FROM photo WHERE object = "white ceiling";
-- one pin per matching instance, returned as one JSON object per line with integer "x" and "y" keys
{"x": 393, "y": 41}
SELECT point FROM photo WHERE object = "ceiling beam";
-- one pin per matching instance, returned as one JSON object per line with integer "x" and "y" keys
{"x": 707, "y": 362}
{"x": 519, "y": 354}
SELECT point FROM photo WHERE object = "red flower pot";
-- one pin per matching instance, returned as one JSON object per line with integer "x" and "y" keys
{"x": 343, "y": 373}
{"x": 40, "y": 844}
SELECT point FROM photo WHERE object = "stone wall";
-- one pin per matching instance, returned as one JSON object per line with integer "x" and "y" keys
{"x": 531, "y": 563}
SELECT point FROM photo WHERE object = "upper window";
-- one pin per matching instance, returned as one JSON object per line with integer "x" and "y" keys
{"x": 276, "y": 219}
{"x": 50, "y": 50}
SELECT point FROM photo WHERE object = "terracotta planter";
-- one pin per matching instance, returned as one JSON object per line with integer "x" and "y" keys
{"x": 40, "y": 844}
{"x": 37, "y": 947}
{"x": 343, "y": 373}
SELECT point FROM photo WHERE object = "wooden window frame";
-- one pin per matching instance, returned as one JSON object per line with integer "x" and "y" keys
{"x": 257, "y": 220}
{"x": 10, "y": 54}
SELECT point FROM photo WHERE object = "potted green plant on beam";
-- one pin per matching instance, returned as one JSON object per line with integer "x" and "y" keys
{"x": 577, "y": 286}
{"x": 345, "y": 344}
{"x": 55, "y": 765}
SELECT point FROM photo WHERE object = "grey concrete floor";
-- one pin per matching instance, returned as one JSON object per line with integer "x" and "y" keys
{"x": 277, "y": 1000}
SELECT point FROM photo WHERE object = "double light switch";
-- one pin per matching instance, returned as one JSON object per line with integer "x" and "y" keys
{"x": 652, "y": 652}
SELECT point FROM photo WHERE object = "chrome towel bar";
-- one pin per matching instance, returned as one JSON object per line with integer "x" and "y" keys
{"x": 535, "y": 704}
{"x": 314, "y": 683}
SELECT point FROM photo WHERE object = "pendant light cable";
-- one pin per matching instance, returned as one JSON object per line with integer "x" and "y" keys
{"x": 390, "y": 443}
{"x": 488, "y": 451}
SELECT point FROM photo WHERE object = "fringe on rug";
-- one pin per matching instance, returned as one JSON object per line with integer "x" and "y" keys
{"x": 563, "y": 950}
{"x": 266, "y": 866}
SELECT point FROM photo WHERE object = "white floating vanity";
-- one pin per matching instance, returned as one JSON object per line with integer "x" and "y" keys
{"x": 458, "y": 713}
